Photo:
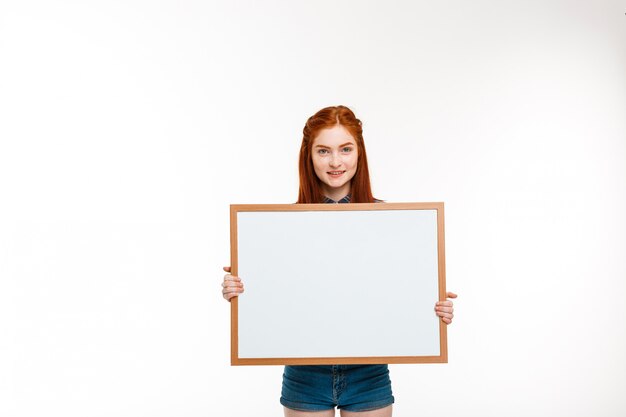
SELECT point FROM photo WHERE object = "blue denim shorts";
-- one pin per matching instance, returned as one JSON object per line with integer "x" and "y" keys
{"x": 348, "y": 387}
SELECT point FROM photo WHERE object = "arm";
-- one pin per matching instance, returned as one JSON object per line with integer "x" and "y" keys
{"x": 232, "y": 285}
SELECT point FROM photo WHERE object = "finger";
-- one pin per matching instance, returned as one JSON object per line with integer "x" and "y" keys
{"x": 229, "y": 296}
{"x": 451, "y": 295}
{"x": 232, "y": 284}
{"x": 446, "y": 320}
{"x": 445, "y": 315}
{"x": 231, "y": 290}
{"x": 441, "y": 313}
{"x": 444, "y": 303}
{"x": 444, "y": 309}
{"x": 229, "y": 277}
{"x": 448, "y": 316}
{"x": 226, "y": 268}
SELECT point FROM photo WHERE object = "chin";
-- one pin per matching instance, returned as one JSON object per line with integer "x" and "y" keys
{"x": 336, "y": 185}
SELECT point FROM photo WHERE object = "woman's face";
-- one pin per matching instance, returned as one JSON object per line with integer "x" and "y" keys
{"x": 335, "y": 155}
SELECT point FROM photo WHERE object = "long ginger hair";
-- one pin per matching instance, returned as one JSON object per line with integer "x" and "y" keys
{"x": 310, "y": 189}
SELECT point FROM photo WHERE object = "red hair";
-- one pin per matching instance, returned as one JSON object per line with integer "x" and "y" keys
{"x": 310, "y": 189}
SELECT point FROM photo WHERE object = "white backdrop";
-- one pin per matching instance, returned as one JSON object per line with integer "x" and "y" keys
{"x": 128, "y": 127}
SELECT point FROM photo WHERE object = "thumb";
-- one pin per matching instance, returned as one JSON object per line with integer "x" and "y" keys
{"x": 451, "y": 295}
{"x": 227, "y": 269}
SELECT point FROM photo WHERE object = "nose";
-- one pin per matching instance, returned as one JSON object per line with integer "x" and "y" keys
{"x": 335, "y": 160}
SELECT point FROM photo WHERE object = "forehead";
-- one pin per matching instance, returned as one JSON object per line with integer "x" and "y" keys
{"x": 334, "y": 136}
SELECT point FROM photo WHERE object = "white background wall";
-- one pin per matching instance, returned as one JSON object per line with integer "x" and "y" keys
{"x": 128, "y": 127}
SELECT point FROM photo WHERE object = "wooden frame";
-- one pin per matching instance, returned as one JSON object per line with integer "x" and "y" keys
{"x": 254, "y": 325}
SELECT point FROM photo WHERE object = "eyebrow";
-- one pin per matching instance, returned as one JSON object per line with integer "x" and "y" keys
{"x": 340, "y": 146}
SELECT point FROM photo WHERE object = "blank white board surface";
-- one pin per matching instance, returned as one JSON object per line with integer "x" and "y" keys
{"x": 338, "y": 284}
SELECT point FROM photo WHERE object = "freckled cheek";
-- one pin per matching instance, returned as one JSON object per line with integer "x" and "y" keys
{"x": 317, "y": 165}
{"x": 353, "y": 163}
{"x": 319, "y": 168}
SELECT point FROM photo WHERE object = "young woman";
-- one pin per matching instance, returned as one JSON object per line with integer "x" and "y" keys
{"x": 333, "y": 169}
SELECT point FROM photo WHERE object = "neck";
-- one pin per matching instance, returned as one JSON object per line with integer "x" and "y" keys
{"x": 336, "y": 194}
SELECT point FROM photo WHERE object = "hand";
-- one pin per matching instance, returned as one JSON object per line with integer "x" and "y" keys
{"x": 232, "y": 285}
{"x": 445, "y": 309}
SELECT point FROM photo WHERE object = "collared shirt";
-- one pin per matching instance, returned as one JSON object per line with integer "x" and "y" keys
{"x": 344, "y": 200}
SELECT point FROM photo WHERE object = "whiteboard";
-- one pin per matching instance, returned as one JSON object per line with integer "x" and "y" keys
{"x": 338, "y": 283}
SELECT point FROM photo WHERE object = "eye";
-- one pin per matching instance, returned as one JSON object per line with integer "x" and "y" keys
{"x": 322, "y": 151}
{"x": 347, "y": 149}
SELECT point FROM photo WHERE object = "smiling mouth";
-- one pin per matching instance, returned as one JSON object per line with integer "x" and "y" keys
{"x": 335, "y": 173}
